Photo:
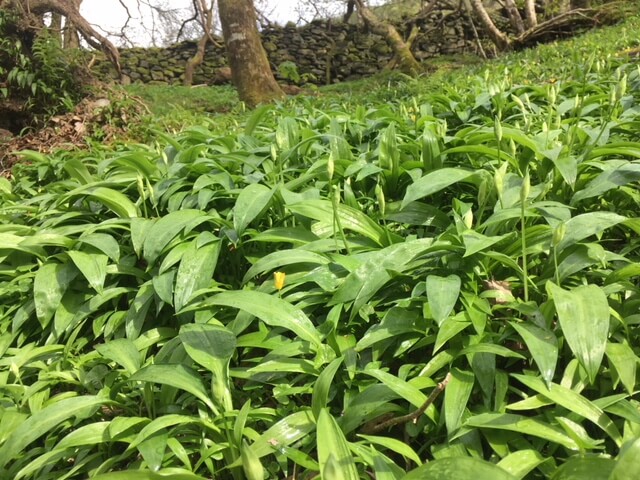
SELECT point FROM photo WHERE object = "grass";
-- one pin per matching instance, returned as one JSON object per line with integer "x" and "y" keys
{"x": 400, "y": 278}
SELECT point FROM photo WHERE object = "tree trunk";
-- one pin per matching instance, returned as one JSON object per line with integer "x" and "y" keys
{"x": 250, "y": 68}
{"x": 498, "y": 38}
{"x": 28, "y": 12}
{"x": 514, "y": 16}
{"x": 530, "y": 13}
{"x": 206, "y": 21}
{"x": 406, "y": 61}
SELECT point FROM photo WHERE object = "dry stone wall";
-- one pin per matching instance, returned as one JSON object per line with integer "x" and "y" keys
{"x": 323, "y": 52}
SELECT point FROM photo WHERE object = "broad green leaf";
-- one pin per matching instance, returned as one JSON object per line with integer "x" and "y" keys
{"x": 625, "y": 362}
{"x": 586, "y": 468}
{"x": 458, "y": 468}
{"x": 573, "y": 402}
{"x": 404, "y": 389}
{"x": 608, "y": 180}
{"x": 583, "y": 226}
{"x": 442, "y": 295}
{"x": 159, "y": 424}
{"x": 251, "y": 465}
{"x": 177, "y": 376}
{"x": 278, "y": 259}
{"x": 114, "y": 201}
{"x": 271, "y": 310}
{"x": 152, "y": 449}
{"x": 91, "y": 434}
{"x": 195, "y": 270}
{"x": 433, "y": 182}
{"x": 627, "y": 466}
{"x": 323, "y": 385}
{"x": 285, "y": 432}
{"x": 350, "y": 218}
{"x": 122, "y": 351}
{"x": 49, "y": 285}
{"x": 251, "y": 202}
{"x": 147, "y": 475}
{"x": 93, "y": 266}
{"x": 522, "y": 425}
{"x": 456, "y": 397}
{"x": 583, "y": 314}
{"x": 43, "y": 421}
{"x": 106, "y": 243}
{"x": 164, "y": 230}
{"x": 395, "y": 445}
{"x": 212, "y": 347}
{"x": 256, "y": 117}
{"x": 332, "y": 442}
{"x": 521, "y": 462}
{"x": 370, "y": 276}
{"x": 543, "y": 346}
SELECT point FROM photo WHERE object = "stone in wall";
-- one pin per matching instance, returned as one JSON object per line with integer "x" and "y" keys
{"x": 322, "y": 51}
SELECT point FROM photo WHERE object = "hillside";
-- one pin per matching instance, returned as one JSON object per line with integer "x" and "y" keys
{"x": 393, "y": 278}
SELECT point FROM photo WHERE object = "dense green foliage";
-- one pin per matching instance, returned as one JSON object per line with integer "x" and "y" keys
{"x": 38, "y": 71}
{"x": 482, "y": 232}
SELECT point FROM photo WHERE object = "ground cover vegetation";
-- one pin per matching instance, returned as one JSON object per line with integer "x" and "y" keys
{"x": 428, "y": 278}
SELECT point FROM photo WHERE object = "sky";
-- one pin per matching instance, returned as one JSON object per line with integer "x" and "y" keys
{"x": 110, "y": 15}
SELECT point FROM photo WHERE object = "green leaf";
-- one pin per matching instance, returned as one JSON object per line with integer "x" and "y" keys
{"x": 271, "y": 310}
{"x": 608, "y": 180}
{"x": 458, "y": 468}
{"x": 625, "y": 362}
{"x": 332, "y": 443}
{"x": 103, "y": 242}
{"x": 43, "y": 421}
{"x": 586, "y": 468}
{"x": 523, "y": 425}
{"x": 285, "y": 432}
{"x": 177, "y": 376}
{"x": 253, "y": 200}
{"x": 93, "y": 266}
{"x": 442, "y": 295}
{"x": 146, "y": 475}
{"x": 195, "y": 270}
{"x": 521, "y": 462}
{"x": 49, "y": 285}
{"x": 276, "y": 260}
{"x": 627, "y": 467}
{"x": 433, "y": 182}
{"x": 251, "y": 465}
{"x": 350, "y": 218}
{"x": 122, "y": 351}
{"x": 114, "y": 201}
{"x": 543, "y": 346}
{"x": 583, "y": 314}
{"x": 322, "y": 386}
{"x": 573, "y": 402}
{"x": 582, "y": 226}
{"x": 456, "y": 396}
{"x": 211, "y": 346}
{"x": 166, "y": 228}
{"x": 395, "y": 445}
{"x": 402, "y": 388}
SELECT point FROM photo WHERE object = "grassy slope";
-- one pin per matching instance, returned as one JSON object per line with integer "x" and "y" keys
{"x": 557, "y": 61}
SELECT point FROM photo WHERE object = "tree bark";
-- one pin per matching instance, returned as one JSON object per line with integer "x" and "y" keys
{"x": 498, "y": 38}
{"x": 28, "y": 12}
{"x": 530, "y": 13}
{"x": 206, "y": 21}
{"x": 514, "y": 16}
{"x": 406, "y": 61}
{"x": 250, "y": 70}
